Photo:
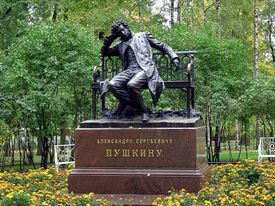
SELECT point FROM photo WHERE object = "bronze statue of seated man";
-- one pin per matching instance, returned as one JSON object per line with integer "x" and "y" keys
{"x": 135, "y": 51}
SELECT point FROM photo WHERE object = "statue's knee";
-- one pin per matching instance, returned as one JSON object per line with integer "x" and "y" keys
{"x": 130, "y": 86}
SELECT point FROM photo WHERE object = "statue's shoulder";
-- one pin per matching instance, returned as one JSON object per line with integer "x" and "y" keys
{"x": 143, "y": 34}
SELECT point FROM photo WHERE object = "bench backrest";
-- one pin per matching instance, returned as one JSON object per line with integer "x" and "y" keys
{"x": 111, "y": 66}
{"x": 177, "y": 78}
{"x": 64, "y": 155}
{"x": 266, "y": 148}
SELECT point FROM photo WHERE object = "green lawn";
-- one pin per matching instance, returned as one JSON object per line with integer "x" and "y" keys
{"x": 251, "y": 154}
{"x": 16, "y": 166}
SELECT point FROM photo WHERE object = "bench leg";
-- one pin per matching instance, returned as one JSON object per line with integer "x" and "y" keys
{"x": 260, "y": 159}
{"x": 103, "y": 104}
{"x": 94, "y": 104}
{"x": 193, "y": 98}
{"x": 188, "y": 100}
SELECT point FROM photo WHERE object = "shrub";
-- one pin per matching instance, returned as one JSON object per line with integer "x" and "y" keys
{"x": 16, "y": 198}
{"x": 246, "y": 183}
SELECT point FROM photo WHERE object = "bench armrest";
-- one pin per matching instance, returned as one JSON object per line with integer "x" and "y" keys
{"x": 96, "y": 74}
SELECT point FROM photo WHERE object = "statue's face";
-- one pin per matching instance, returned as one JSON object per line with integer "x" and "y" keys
{"x": 124, "y": 33}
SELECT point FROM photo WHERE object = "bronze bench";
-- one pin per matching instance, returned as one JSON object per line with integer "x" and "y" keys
{"x": 174, "y": 78}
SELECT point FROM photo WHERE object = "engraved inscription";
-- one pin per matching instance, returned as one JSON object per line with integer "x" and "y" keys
{"x": 134, "y": 147}
{"x": 137, "y": 141}
{"x": 134, "y": 153}
{"x": 114, "y": 141}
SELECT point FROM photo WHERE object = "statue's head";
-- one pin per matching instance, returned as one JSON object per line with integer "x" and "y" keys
{"x": 121, "y": 28}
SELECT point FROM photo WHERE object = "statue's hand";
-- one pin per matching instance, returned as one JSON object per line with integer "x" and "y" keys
{"x": 176, "y": 62}
{"x": 107, "y": 43}
{"x": 112, "y": 36}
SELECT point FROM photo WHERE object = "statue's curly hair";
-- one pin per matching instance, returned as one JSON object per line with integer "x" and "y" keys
{"x": 117, "y": 23}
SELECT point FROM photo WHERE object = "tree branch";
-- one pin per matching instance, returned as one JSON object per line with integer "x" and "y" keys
{"x": 205, "y": 10}
{"x": 6, "y": 13}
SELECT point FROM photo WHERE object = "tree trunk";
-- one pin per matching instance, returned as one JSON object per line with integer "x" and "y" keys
{"x": 218, "y": 140}
{"x": 39, "y": 147}
{"x": 3, "y": 161}
{"x": 242, "y": 131}
{"x": 51, "y": 149}
{"x": 270, "y": 32}
{"x": 63, "y": 132}
{"x": 12, "y": 152}
{"x": 271, "y": 125}
{"x": 256, "y": 58}
{"x": 219, "y": 17}
{"x": 6, "y": 13}
{"x": 172, "y": 12}
{"x": 7, "y": 149}
{"x": 237, "y": 146}
{"x": 139, "y": 16}
{"x": 66, "y": 18}
{"x": 230, "y": 151}
{"x": 256, "y": 39}
{"x": 55, "y": 12}
{"x": 45, "y": 153}
{"x": 20, "y": 152}
{"x": 216, "y": 146}
{"x": 30, "y": 149}
{"x": 179, "y": 12}
{"x": 77, "y": 103}
{"x": 245, "y": 141}
{"x": 270, "y": 26}
{"x": 209, "y": 135}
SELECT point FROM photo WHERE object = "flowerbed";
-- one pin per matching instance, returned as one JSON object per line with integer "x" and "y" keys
{"x": 43, "y": 188}
{"x": 246, "y": 183}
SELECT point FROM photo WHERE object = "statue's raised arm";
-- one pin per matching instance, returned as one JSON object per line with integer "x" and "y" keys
{"x": 139, "y": 69}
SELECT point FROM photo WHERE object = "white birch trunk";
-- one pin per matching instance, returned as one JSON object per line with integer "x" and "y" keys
{"x": 256, "y": 39}
{"x": 172, "y": 10}
{"x": 219, "y": 17}
{"x": 256, "y": 58}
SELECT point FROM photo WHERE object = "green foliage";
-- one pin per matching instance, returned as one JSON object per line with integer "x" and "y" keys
{"x": 16, "y": 198}
{"x": 101, "y": 14}
{"x": 44, "y": 67}
{"x": 47, "y": 77}
{"x": 259, "y": 98}
{"x": 13, "y": 17}
{"x": 221, "y": 67}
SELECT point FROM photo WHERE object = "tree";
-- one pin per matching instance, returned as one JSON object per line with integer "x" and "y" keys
{"x": 48, "y": 76}
{"x": 268, "y": 21}
{"x": 260, "y": 103}
{"x": 15, "y": 15}
{"x": 221, "y": 73}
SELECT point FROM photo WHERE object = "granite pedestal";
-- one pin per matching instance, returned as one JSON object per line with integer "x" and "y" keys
{"x": 130, "y": 157}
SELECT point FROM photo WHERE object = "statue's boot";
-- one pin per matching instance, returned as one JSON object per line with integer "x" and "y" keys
{"x": 145, "y": 117}
{"x": 119, "y": 110}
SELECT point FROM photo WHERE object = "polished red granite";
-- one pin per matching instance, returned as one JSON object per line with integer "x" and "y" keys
{"x": 139, "y": 160}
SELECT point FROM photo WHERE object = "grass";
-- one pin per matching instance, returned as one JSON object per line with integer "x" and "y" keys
{"x": 225, "y": 155}
{"x": 16, "y": 166}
